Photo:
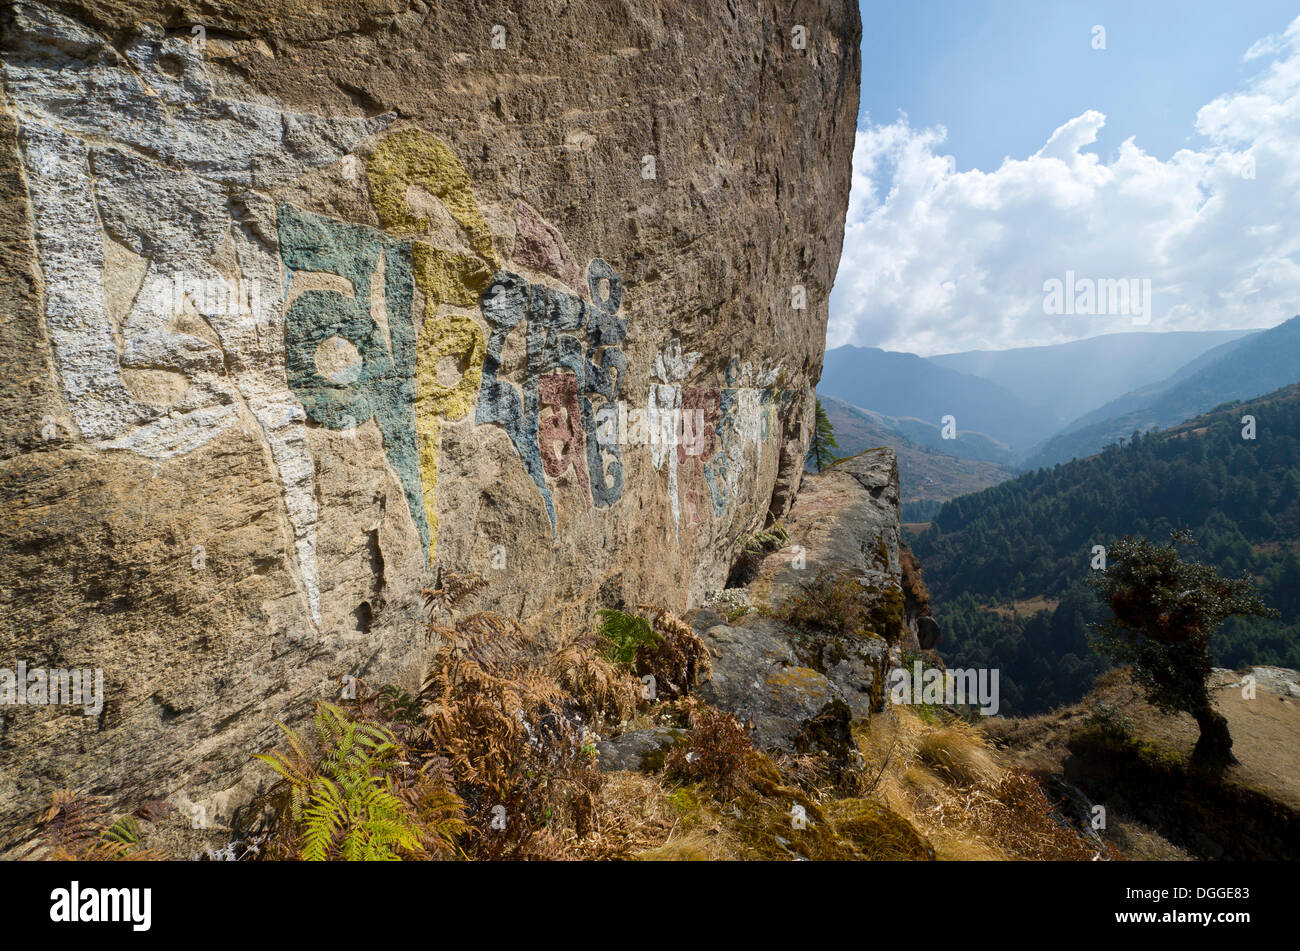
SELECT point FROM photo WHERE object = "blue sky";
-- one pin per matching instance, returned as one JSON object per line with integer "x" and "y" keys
{"x": 942, "y": 257}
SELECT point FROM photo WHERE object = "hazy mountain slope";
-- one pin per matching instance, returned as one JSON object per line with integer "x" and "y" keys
{"x": 904, "y": 385}
{"x": 1070, "y": 379}
{"x": 1144, "y": 396}
{"x": 925, "y": 474}
{"x": 1245, "y": 368}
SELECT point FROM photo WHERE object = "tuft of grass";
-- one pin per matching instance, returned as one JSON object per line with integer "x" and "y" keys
{"x": 838, "y": 603}
{"x": 877, "y": 832}
{"x": 959, "y": 756}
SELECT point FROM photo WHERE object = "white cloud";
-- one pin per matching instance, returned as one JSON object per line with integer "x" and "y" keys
{"x": 936, "y": 261}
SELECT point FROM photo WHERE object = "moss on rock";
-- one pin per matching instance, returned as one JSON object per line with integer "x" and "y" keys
{"x": 878, "y": 833}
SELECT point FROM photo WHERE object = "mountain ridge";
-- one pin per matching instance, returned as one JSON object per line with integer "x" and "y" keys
{"x": 1073, "y": 378}
{"x": 1243, "y": 369}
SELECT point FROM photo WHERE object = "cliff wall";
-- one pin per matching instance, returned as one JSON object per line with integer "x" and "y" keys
{"x": 302, "y": 304}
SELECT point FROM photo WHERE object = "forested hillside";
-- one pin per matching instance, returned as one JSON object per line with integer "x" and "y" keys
{"x": 1008, "y": 565}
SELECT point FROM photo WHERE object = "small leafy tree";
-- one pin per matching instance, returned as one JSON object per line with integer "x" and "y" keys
{"x": 1164, "y": 611}
{"x": 822, "y": 442}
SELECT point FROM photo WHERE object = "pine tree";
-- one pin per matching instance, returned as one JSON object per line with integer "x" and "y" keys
{"x": 822, "y": 442}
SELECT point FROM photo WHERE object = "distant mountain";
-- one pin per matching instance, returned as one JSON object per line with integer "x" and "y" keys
{"x": 927, "y": 476}
{"x": 873, "y": 429}
{"x": 1070, "y": 379}
{"x": 906, "y": 386}
{"x": 1236, "y": 370}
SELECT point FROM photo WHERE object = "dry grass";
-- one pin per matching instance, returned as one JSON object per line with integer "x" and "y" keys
{"x": 913, "y": 581}
{"x": 838, "y": 603}
{"x": 958, "y": 791}
{"x": 1017, "y": 816}
{"x": 632, "y": 816}
{"x": 695, "y": 845}
{"x": 959, "y": 756}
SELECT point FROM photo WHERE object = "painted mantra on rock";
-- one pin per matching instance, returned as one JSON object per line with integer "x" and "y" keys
{"x": 182, "y": 299}
{"x": 572, "y": 358}
{"x": 573, "y": 363}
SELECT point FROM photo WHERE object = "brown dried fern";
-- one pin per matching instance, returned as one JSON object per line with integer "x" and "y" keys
{"x": 75, "y": 829}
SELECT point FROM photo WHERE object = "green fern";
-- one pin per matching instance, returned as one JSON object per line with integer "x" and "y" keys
{"x": 624, "y": 633}
{"x": 760, "y": 543}
{"x": 74, "y": 828}
{"x": 344, "y": 802}
{"x": 125, "y": 832}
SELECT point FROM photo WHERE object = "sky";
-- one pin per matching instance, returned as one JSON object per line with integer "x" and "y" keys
{"x": 1010, "y": 153}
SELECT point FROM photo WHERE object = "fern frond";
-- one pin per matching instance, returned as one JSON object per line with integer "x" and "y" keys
{"x": 625, "y": 633}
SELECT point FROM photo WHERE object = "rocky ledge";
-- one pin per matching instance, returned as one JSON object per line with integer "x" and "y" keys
{"x": 803, "y": 646}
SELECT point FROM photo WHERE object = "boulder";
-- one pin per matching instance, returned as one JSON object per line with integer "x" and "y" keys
{"x": 638, "y": 750}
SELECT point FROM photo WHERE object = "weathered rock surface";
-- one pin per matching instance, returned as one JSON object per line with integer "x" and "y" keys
{"x": 302, "y": 303}
{"x": 638, "y": 750}
{"x": 847, "y": 518}
{"x": 758, "y": 676}
{"x": 783, "y": 678}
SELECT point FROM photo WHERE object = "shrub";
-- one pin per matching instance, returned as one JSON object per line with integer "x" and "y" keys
{"x": 716, "y": 750}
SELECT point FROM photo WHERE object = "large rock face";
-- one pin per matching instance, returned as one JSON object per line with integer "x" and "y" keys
{"x": 302, "y": 303}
